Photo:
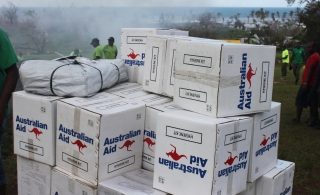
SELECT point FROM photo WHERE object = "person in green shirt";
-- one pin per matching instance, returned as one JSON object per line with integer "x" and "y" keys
{"x": 98, "y": 49}
{"x": 298, "y": 55}
{"x": 8, "y": 78}
{"x": 110, "y": 50}
{"x": 285, "y": 62}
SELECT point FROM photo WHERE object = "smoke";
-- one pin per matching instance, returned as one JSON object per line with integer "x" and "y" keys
{"x": 68, "y": 28}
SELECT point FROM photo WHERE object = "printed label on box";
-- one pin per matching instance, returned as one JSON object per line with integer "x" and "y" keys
{"x": 194, "y": 60}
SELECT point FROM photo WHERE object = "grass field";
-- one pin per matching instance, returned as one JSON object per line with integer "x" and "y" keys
{"x": 298, "y": 143}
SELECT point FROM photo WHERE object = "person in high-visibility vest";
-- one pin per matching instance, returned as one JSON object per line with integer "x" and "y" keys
{"x": 285, "y": 62}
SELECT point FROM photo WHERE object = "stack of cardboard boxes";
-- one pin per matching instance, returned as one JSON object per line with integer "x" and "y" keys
{"x": 218, "y": 136}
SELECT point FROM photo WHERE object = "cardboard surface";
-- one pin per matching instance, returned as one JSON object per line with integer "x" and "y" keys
{"x": 265, "y": 141}
{"x": 197, "y": 150}
{"x": 33, "y": 178}
{"x": 34, "y": 125}
{"x": 64, "y": 183}
{"x": 94, "y": 143}
{"x": 224, "y": 79}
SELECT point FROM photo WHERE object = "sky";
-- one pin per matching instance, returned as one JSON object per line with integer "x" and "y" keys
{"x": 198, "y": 3}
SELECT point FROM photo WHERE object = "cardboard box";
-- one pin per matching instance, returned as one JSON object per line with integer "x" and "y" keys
{"x": 128, "y": 90}
{"x": 101, "y": 97}
{"x": 95, "y": 144}
{"x": 65, "y": 183}
{"x": 150, "y": 132}
{"x": 224, "y": 79}
{"x": 33, "y": 178}
{"x": 200, "y": 154}
{"x": 277, "y": 181}
{"x": 151, "y": 99}
{"x": 133, "y": 48}
{"x": 138, "y": 182}
{"x": 34, "y": 124}
{"x": 159, "y": 64}
{"x": 264, "y": 144}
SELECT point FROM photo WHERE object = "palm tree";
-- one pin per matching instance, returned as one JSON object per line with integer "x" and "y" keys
{"x": 252, "y": 14}
{"x": 273, "y": 16}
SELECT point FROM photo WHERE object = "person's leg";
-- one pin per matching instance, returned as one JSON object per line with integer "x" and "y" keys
{"x": 313, "y": 110}
{"x": 2, "y": 172}
{"x": 295, "y": 71}
{"x": 284, "y": 70}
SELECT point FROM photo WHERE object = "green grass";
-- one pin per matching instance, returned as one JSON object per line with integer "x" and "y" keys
{"x": 298, "y": 143}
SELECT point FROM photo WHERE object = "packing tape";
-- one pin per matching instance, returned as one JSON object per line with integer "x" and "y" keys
{"x": 234, "y": 148}
{"x": 71, "y": 186}
{"x": 210, "y": 80}
{"x": 30, "y": 154}
{"x": 76, "y": 127}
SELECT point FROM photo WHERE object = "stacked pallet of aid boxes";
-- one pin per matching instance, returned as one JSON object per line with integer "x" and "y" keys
{"x": 228, "y": 134}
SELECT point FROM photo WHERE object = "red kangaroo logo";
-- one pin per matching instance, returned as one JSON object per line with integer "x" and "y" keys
{"x": 264, "y": 141}
{"x": 149, "y": 142}
{"x": 133, "y": 55}
{"x": 230, "y": 159}
{"x": 127, "y": 144}
{"x": 174, "y": 155}
{"x": 250, "y": 73}
{"x": 80, "y": 145}
{"x": 37, "y": 132}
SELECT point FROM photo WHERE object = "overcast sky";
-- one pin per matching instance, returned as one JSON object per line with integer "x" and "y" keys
{"x": 213, "y": 3}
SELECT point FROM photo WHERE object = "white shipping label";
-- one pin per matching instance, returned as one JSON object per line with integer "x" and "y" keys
{"x": 136, "y": 39}
{"x": 184, "y": 134}
{"x": 264, "y": 82}
{"x": 190, "y": 94}
{"x": 154, "y": 63}
{"x": 194, "y": 60}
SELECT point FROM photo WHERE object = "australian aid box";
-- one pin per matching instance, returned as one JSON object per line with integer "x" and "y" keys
{"x": 223, "y": 79}
{"x": 64, "y": 183}
{"x": 137, "y": 182}
{"x": 133, "y": 48}
{"x": 34, "y": 178}
{"x": 265, "y": 141}
{"x": 150, "y": 132}
{"x": 34, "y": 120}
{"x": 159, "y": 64}
{"x": 278, "y": 180}
{"x": 200, "y": 154}
{"x": 100, "y": 141}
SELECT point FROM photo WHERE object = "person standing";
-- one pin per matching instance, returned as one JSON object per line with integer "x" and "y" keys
{"x": 307, "y": 95}
{"x": 312, "y": 81}
{"x": 298, "y": 56}
{"x": 110, "y": 50}
{"x": 98, "y": 49}
{"x": 8, "y": 78}
{"x": 285, "y": 62}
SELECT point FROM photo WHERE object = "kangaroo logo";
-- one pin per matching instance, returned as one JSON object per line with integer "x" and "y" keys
{"x": 37, "y": 132}
{"x": 80, "y": 145}
{"x": 133, "y": 55}
{"x": 250, "y": 74}
{"x": 174, "y": 155}
{"x": 264, "y": 141}
{"x": 127, "y": 144}
{"x": 149, "y": 142}
{"x": 230, "y": 159}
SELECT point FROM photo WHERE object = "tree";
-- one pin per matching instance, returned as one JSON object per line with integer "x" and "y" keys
{"x": 205, "y": 19}
{"x": 310, "y": 18}
{"x": 10, "y": 13}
